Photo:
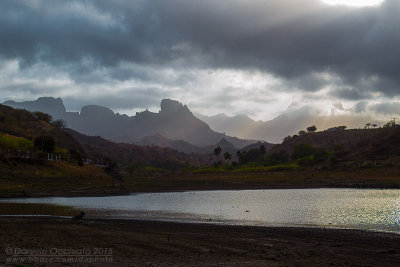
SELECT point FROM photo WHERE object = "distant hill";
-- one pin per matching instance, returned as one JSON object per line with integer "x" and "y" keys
{"x": 239, "y": 125}
{"x": 22, "y": 123}
{"x": 180, "y": 145}
{"x": 24, "y": 168}
{"x": 359, "y": 144}
{"x": 49, "y": 105}
{"x": 128, "y": 154}
{"x": 275, "y": 130}
{"x": 174, "y": 122}
{"x": 154, "y": 140}
{"x": 257, "y": 146}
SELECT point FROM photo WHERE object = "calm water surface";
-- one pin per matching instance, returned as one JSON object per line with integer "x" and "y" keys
{"x": 342, "y": 208}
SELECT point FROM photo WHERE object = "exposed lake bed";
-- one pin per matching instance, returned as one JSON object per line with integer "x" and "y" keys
{"x": 366, "y": 209}
{"x": 155, "y": 243}
{"x": 231, "y": 227}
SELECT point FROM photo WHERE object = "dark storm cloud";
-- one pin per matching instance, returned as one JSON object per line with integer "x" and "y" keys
{"x": 90, "y": 33}
{"x": 350, "y": 93}
{"x": 291, "y": 39}
{"x": 353, "y": 43}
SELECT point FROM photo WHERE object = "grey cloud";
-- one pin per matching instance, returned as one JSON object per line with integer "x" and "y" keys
{"x": 392, "y": 108}
{"x": 361, "y": 106}
{"x": 383, "y": 108}
{"x": 350, "y": 93}
{"x": 272, "y": 36}
{"x": 312, "y": 82}
{"x": 28, "y": 88}
{"x": 70, "y": 31}
{"x": 355, "y": 43}
{"x": 130, "y": 98}
{"x": 136, "y": 98}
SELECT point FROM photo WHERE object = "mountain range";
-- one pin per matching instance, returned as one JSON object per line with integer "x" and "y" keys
{"x": 19, "y": 125}
{"x": 173, "y": 126}
{"x": 287, "y": 123}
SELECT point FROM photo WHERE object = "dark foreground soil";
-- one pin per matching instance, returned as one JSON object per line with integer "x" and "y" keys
{"x": 149, "y": 243}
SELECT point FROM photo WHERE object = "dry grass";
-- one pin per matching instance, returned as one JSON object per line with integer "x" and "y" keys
{"x": 35, "y": 209}
{"x": 301, "y": 178}
{"x": 51, "y": 178}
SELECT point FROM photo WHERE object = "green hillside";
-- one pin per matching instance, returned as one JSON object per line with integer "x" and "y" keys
{"x": 27, "y": 141}
{"x": 358, "y": 146}
{"x": 40, "y": 157}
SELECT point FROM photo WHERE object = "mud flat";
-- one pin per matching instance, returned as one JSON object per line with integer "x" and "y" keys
{"x": 152, "y": 243}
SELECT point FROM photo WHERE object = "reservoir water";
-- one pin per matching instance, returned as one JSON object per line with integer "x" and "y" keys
{"x": 334, "y": 208}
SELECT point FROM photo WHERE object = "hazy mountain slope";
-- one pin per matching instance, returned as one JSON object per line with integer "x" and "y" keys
{"x": 154, "y": 140}
{"x": 257, "y": 146}
{"x": 283, "y": 125}
{"x": 180, "y": 145}
{"x": 96, "y": 120}
{"x": 174, "y": 121}
{"x": 22, "y": 123}
{"x": 239, "y": 125}
{"x": 49, "y": 105}
{"x": 127, "y": 154}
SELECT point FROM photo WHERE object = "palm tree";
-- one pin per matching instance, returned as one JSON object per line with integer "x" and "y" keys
{"x": 263, "y": 150}
{"x": 217, "y": 151}
{"x": 227, "y": 156}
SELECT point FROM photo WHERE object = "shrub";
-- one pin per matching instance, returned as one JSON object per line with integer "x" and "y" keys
{"x": 42, "y": 116}
{"x": 59, "y": 124}
{"x": 45, "y": 143}
{"x": 276, "y": 158}
{"x": 303, "y": 150}
{"x": 306, "y": 154}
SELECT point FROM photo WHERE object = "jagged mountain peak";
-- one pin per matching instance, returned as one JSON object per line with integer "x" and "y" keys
{"x": 96, "y": 111}
{"x": 174, "y": 122}
{"x": 49, "y": 105}
{"x": 169, "y": 106}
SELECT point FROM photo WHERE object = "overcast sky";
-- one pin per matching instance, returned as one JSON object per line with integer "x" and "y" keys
{"x": 254, "y": 57}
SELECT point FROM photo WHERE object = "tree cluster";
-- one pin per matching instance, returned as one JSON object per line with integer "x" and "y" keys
{"x": 43, "y": 116}
{"x": 45, "y": 143}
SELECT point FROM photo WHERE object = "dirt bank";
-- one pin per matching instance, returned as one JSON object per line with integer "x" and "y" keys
{"x": 163, "y": 244}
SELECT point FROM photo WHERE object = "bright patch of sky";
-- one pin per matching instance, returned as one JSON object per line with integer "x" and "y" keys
{"x": 355, "y": 3}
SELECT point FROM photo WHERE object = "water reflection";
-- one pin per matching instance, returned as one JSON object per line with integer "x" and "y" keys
{"x": 349, "y": 208}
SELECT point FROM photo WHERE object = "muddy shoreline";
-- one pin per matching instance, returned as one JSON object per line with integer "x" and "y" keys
{"x": 100, "y": 192}
{"x": 135, "y": 242}
{"x": 189, "y": 181}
